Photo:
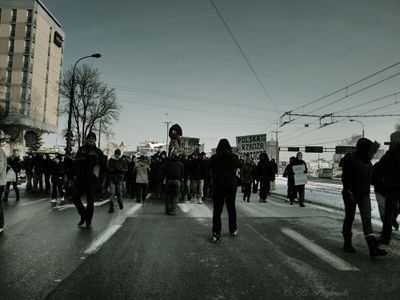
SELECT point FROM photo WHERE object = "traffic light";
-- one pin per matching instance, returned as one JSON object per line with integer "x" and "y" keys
{"x": 315, "y": 149}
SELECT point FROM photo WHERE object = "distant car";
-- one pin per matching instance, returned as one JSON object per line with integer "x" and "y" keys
{"x": 325, "y": 173}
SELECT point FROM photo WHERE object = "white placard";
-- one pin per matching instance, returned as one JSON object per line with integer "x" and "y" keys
{"x": 299, "y": 176}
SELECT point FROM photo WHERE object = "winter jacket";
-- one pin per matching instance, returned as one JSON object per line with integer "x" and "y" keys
{"x": 57, "y": 172}
{"x": 174, "y": 169}
{"x": 117, "y": 168}
{"x": 89, "y": 160}
{"x": 264, "y": 171}
{"x": 247, "y": 172}
{"x": 223, "y": 167}
{"x": 142, "y": 169}
{"x": 390, "y": 165}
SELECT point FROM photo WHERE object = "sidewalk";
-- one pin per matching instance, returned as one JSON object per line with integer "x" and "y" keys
{"x": 326, "y": 194}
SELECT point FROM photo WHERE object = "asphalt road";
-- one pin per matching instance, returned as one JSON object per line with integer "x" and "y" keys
{"x": 281, "y": 252}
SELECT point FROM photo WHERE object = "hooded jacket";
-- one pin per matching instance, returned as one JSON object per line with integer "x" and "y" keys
{"x": 142, "y": 168}
{"x": 117, "y": 168}
{"x": 223, "y": 166}
{"x": 357, "y": 169}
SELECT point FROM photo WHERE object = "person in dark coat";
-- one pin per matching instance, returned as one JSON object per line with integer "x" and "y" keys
{"x": 174, "y": 172}
{"x": 247, "y": 174}
{"x": 265, "y": 175}
{"x": 300, "y": 188}
{"x": 291, "y": 188}
{"x": 90, "y": 166}
{"x": 223, "y": 168}
{"x": 14, "y": 163}
{"x": 390, "y": 164}
{"x": 356, "y": 179}
{"x": 116, "y": 168}
{"x": 47, "y": 170}
{"x": 57, "y": 179}
{"x": 27, "y": 165}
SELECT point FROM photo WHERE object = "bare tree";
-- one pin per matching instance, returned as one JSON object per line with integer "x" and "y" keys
{"x": 95, "y": 106}
{"x": 351, "y": 141}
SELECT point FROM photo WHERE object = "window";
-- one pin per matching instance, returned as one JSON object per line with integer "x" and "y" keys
{"x": 8, "y": 91}
{"x": 11, "y": 46}
{"x": 26, "y": 46}
{"x": 29, "y": 19}
{"x": 28, "y": 31}
{"x": 12, "y": 30}
{"x": 9, "y": 74}
{"x": 10, "y": 61}
{"x": 26, "y": 61}
{"x": 23, "y": 92}
{"x": 14, "y": 15}
{"x": 25, "y": 77}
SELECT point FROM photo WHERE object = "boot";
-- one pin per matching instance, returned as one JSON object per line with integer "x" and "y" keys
{"x": 374, "y": 250}
{"x": 347, "y": 246}
{"x": 17, "y": 195}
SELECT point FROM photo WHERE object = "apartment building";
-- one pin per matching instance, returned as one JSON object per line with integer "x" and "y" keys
{"x": 31, "y": 52}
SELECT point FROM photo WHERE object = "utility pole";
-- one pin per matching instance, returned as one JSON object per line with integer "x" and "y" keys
{"x": 166, "y": 142}
{"x": 277, "y": 146}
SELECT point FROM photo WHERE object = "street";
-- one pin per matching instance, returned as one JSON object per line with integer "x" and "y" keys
{"x": 281, "y": 251}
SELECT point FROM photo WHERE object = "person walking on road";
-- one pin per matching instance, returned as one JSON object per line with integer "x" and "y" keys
{"x": 90, "y": 165}
{"x": 265, "y": 175}
{"x": 3, "y": 171}
{"x": 117, "y": 168}
{"x": 57, "y": 179}
{"x": 13, "y": 169}
{"x": 174, "y": 173}
{"x": 299, "y": 168}
{"x": 142, "y": 170}
{"x": 223, "y": 168}
{"x": 390, "y": 170}
{"x": 356, "y": 179}
{"x": 247, "y": 172}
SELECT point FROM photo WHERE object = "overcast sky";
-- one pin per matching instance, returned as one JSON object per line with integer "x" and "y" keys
{"x": 177, "y": 61}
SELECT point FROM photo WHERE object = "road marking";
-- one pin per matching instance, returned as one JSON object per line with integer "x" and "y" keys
{"x": 65, "y": 206}
{"x": 325, "y": 255}
{"x": 261, "y": 236}
{"x": 115, "y": 224}
{"x": 96, "y": 244}
{"x": 36, "y": 201}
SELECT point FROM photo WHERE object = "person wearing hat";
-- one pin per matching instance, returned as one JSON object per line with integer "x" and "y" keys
{"x": 356, "y": 178}
{"x": 390, "y": 172}
{"x": 116, "y": 168}
{"x": 174, "y": 172}
{"x": 89, "y": 166}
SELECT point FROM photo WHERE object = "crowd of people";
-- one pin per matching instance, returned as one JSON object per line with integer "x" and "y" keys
{"x": 196, "y": 178}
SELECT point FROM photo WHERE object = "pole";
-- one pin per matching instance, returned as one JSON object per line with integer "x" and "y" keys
{"x": 166, "y": 142}
{"x": 98, "y": 143}
{"x": 277, "y": 146}
{"x": 69, "y": 134}
{"x": 362, "y": 125}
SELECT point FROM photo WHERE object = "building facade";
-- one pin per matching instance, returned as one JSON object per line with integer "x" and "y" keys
{"x": 31, "y": 52}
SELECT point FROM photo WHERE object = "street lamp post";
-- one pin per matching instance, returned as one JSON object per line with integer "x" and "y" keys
{"x": 69, "y": 134}
{"x": 166, "y": 142}
{"x": 362, "y": 125}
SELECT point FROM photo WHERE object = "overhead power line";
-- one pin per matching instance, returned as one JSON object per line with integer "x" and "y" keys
{"x": 342, "y": 89}
{"x": 244, "y": 56}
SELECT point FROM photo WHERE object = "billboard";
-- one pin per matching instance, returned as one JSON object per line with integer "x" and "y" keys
{"x": 252, "y": 144}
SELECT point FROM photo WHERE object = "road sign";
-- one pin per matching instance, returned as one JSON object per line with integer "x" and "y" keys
{"x": 344, "y": 149}
{"x": 315, "y": 149}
